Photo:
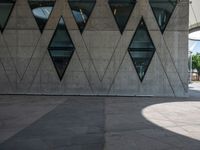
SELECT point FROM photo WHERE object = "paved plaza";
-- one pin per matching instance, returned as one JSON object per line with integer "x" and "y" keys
{"x": 194, "y": 89}
{"x": 99, "y": 123}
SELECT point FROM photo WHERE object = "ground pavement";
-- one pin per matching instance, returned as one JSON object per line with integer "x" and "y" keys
{"x": 99, "y": 123}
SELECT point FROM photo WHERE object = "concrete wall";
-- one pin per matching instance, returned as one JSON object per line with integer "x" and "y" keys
{"x": 101, "y": 64}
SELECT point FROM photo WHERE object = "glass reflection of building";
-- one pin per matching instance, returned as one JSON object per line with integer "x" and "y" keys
{"x": 163, "y": 10}
{"x": 81, "y": 10}
{"x": 41, "y": 11}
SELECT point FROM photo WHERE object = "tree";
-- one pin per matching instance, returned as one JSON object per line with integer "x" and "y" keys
{"x": 196, "y": 63}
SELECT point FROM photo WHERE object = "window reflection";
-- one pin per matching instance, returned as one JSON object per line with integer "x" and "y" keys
{"x": 61, "y": 48}
{"x": 41, "y": 10}
{"x": 141, "y": 49}
{"x": 81, "y": 10}
{"x": 141, "y": 61}
{"x": 5, "y": 10}
{"x": 163, "y": 10}
{"x": 121, "y": 10}
{"x": 142, "y": 39}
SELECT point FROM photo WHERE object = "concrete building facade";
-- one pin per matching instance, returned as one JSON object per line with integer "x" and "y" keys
{"x": 101, "y": 63}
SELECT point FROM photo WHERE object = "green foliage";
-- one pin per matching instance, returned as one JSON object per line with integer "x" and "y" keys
{"x": 196, "y": 62}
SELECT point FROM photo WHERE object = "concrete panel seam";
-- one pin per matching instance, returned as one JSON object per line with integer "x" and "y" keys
{"x": 37, "y": 69}
{"x": 113, "y": 80}
{"x": 34, "y": 49}
{"x": 165, "y": 73}
{"x": 174, "y": 64}
{"x": 84, "y": 72}
{"x": 112, "y": 56}
{"x": 10, "y": 56}
{"x": 6, "y": 74}
{"x": 90, "y": 57}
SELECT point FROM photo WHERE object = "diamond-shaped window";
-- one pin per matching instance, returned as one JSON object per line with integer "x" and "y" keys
{"x": 163, "y": 9}
{"x": 6, "y": 7}
{"x": 61, "y": 48}
{"x": 141, "y": 49}
{"x": 122, "y": 10}
{"x": 81, "y": 10}
{"x": 41, "y": 11}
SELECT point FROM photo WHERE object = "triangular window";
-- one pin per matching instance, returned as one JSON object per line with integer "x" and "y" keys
{"x": 122, "y": 10}
{"x": 41, "y": 11}
{"x": 163, "y": 9}
{"x": 6, "y": 7}
{"x": 81, "y": 10}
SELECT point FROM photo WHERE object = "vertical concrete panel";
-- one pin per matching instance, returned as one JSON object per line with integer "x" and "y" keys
{"x": 121, "y": 49}
{"x": 86, "y": 61}
{"x": 155, "y": 82}
{"x": 36, "y": 60}
{"x": 22, "y": 44}
{"x": 21, "y": 17}
{"x": 116, "y": 60}
{"x": 126, "y": 81}
{"x": 8, "y": 66}
{"x": 101, "y": 18}
{"x": 101, "y": 45}
{"x": 179, "y": 52}
{"x": 49, "y": 80}
{"x": 21, "y": 37}
{"x": 180, "y": 18}
{"x": 4, "y": 80}
{"x": 74, "y": 81}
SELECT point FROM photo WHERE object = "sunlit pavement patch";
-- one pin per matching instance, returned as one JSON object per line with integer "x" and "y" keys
{"x": 179, "y": 117}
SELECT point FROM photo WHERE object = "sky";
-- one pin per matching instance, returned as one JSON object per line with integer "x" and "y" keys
{"x": 194, "y": 42}
{"x": 194, "y": 46}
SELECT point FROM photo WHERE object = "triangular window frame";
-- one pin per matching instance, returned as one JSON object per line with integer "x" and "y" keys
{"x": 110, "y": 2}
{"x": 167, "y": 22}
{"x": 44, "y": 25}
{"x": 81, "y": 1}
{"x": 2, "y": 28}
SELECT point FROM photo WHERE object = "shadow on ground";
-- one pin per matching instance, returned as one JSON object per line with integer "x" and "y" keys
{"x": 98, "y": 123}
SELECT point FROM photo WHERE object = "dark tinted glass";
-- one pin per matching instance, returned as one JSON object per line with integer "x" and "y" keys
{"x": 61, "y": 48}
{"x": 6, "y": 7}
{"x": 41, "y": 10}
{"x": 141, "y": 49}
{"x": 163, "y": 10}
{"x": 121, "y": 10}
{"x": 142, "y": 39}
{"x": 81, "y": 10}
